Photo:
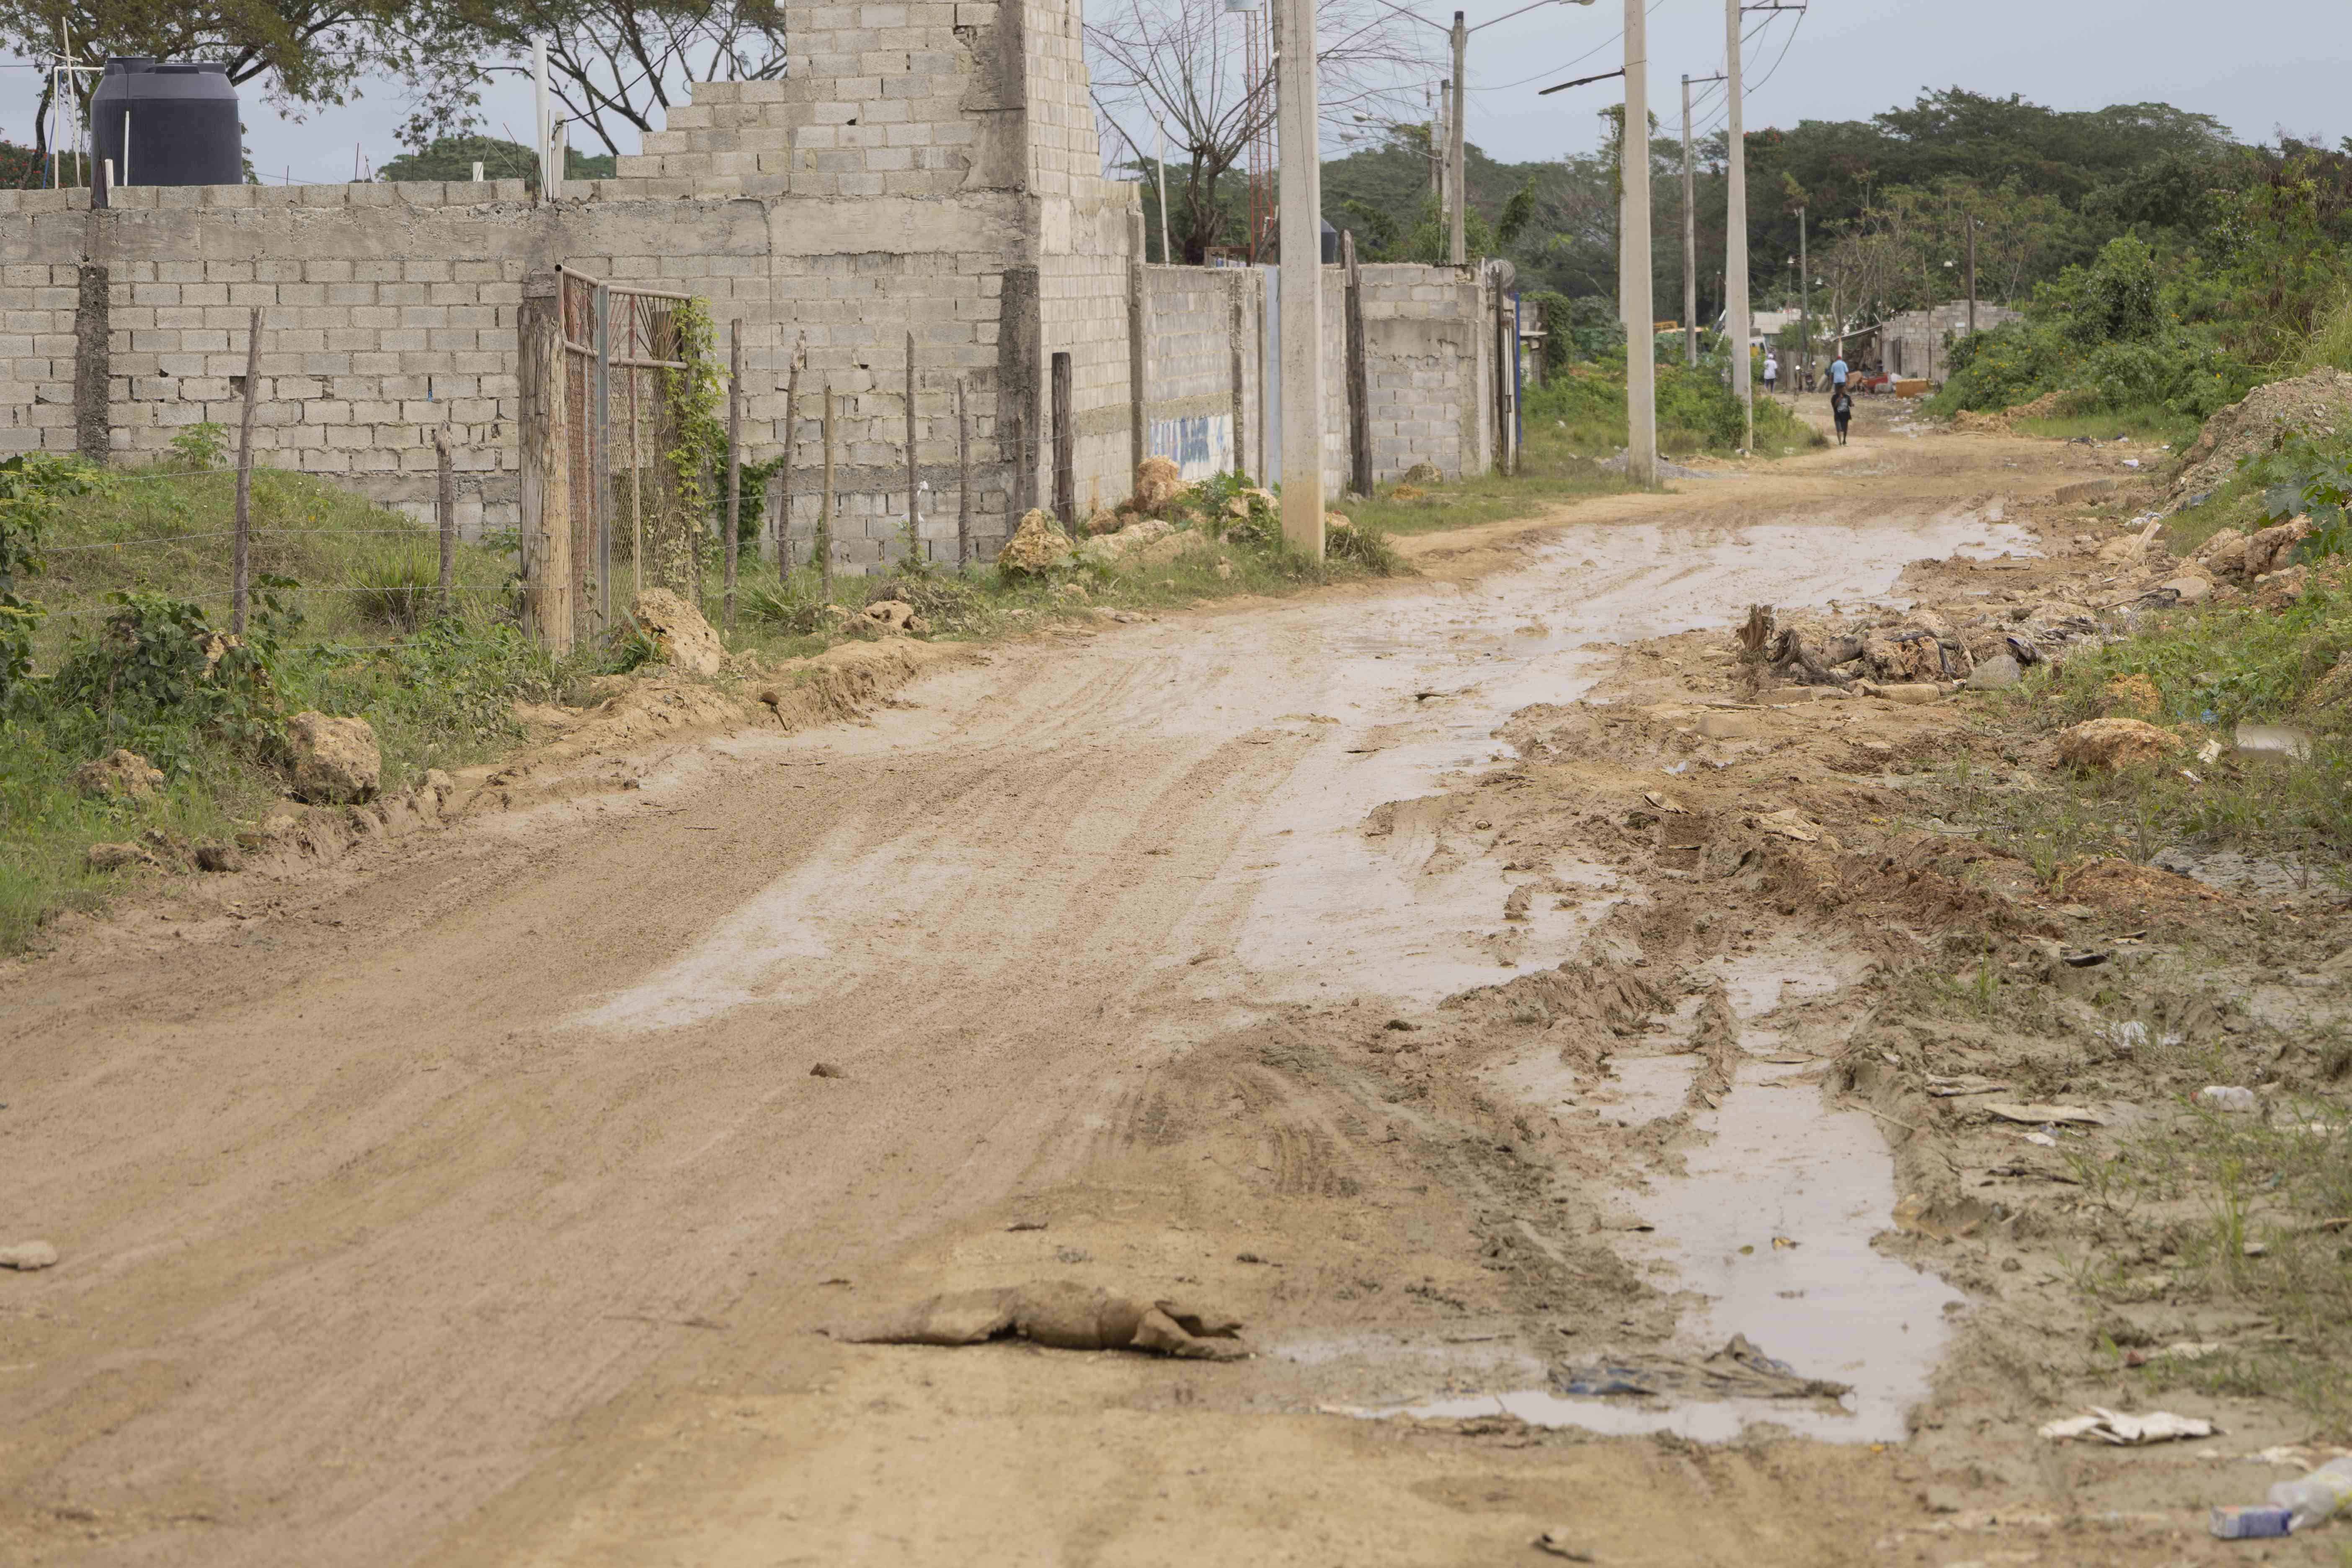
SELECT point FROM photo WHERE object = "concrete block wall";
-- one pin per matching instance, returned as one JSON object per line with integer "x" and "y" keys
{"x": 389, "y": 310}
{"x": 1428, "y": 335}
{"x": 1189, "y": 344}
{"x": 925, "y": 164}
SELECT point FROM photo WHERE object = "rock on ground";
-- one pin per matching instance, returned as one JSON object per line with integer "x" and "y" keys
{"x": 2108, "y": 744}
{"x": 684, "y": 638}
{"x": 120, "y": 775}
{"x": 893, "y": 615}
{"x": 1158, "y": 481}
{"x": 28, "y": 1255}
{"x": 335, "y": 760}
{"x": 114, "y": 856}
{"x": 1037, "y": 546}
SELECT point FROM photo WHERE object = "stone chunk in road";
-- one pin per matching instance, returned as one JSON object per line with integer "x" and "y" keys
{"x": 336, "y": 760}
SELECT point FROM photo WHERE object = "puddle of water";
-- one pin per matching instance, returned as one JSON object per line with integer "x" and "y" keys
{"x": 1781, "y": 1168}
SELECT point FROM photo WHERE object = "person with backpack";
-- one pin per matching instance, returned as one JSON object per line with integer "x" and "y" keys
{"x": 1841, "y": 409}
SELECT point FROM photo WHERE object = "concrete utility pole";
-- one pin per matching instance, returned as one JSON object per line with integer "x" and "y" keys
{"x": 1641, "y": 342}
{"x": 1690, "y": 241}
{"x": 1972, "y": 275}
{"x": 1302, "y": 271}
{"x": 1456, "y": 183}
{"x": 1734, "y": 239}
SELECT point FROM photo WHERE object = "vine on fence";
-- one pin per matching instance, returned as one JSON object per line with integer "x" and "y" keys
{"x": 696, "y": 395}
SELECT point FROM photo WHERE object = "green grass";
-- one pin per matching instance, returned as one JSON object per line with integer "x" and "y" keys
{"x": 357, "y": 632}
{"x": 2212, "y": 667}
{"x": 1553, "y": 468}
{"x": 167, "y": 531}
{"x": 2152, "y": 423}
{"x": 1697, "y": 413}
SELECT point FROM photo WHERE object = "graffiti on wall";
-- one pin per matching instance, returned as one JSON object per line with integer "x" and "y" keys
{"x": 1201, "y": 444}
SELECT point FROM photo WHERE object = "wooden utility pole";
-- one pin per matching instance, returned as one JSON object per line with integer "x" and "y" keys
{"x": 785, "y": 467}
{"x": 1640, "y": 338}
{"x": 444, "y": 507}
{"x": 734, "y": 458}
{"x": 1360, "y": 389}
{"x": 544, "y": 441}
{"x": 241, "y": 554}
{"x": 824, "y": 506}
{"x": 1735, "y": 238}
{"x": 963, "y": 480}
{"x": 1805, "y": 295}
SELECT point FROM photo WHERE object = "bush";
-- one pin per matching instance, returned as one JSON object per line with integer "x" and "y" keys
{"x": 400, "y": 589}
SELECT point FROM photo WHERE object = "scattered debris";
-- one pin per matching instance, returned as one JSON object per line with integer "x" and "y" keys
{"x": 27, "y": 1255}
{"x": 1738, "y": 1371}
{"x": 826, "y": 1070}
{"x": 2039, "y": 1115}
{"x": 1059, "y": 1316}
{"x": 2227, "y": 1096}
{"x": 1555, "y": 1542}
{"x": 2114, "y": 1426}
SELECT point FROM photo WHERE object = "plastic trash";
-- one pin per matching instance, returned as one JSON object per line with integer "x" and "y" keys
{"x": 2249, "y": 1522}
{"x": 2314, "y": 1498}
{"x": 2226, "y": 1097}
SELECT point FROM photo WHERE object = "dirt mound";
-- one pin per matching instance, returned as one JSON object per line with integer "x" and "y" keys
{"x": 2317, "y": 404}
{"x": 1999, "y": 421}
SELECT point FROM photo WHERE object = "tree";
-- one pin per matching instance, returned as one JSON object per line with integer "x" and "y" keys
{"x": 308, "y": 53}
{"x": 1179, "y": 64}
{"x": 454, "y": 157}
{"x": 612, "y": 64}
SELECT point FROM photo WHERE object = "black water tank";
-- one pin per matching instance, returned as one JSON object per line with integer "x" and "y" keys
{"x": 181, "y": 119}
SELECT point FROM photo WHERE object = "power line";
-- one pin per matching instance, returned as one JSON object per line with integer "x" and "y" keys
{"x": 1554, "y": 70}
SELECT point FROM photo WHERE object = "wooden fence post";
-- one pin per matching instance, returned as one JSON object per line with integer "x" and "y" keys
{"x": 1138, "y": 356}
{"x": 545, "y": 475}
{"x": 825, "y": 505}
{"x": 784, "y": 467}
{"x": 241, "y": 554}
{"x": 963, "y": 480}
{"x": 444, "y": 507}
{"x": 914, "y": 482}
{"x": 1065, "y": 446}
{"x": 1360, "y": 388}
{"x": 734, "y": 457}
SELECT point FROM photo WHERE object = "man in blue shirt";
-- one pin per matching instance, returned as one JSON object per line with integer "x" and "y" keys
{"x": 1837, "y": 374}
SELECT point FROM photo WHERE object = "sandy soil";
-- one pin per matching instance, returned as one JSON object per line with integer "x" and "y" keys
{"x": 477, "y": 1202}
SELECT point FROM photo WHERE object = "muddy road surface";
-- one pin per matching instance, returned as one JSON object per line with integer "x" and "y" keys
{"x": 507, "y": 1196}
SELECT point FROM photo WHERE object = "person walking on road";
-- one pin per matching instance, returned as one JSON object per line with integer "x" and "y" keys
{"x": 1841, "y": 409}
{"x": 1837, "y": 374}
{"x": 1771, "y": 374}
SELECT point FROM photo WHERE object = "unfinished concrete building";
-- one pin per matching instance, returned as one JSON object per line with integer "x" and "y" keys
{"x": 925, "y": 167}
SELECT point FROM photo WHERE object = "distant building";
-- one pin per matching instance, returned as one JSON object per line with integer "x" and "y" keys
{"x": 1913, "y": 344}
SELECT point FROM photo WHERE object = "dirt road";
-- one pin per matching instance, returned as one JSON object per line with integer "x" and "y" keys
{"x": 479, "y": 1203}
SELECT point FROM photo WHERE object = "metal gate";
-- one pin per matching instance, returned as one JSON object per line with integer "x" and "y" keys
{"x": 593, "y": 441}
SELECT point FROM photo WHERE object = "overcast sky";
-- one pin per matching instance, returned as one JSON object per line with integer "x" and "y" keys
{"x": 1841, "y": 60}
